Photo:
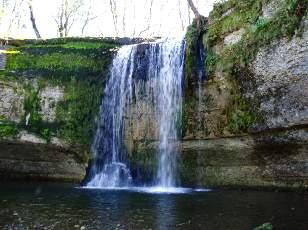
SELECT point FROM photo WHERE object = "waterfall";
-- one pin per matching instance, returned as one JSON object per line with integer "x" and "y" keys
{"x": 169, "y": 107}
{"x": 150, "y": 74}
{"x": 109, "y": 168}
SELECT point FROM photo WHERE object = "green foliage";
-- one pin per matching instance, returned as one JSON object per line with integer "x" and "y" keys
{"x": 265, "y": 226}
{"x": 239, "y": 115}
{"x": 8, "y": 130}
{"x": 77, "y": 112}
{"x": 242, "y": 13}
{"x": 239, "y": 121}
{"x": 210, "y": 62}
{"x": 60, "y": 41}
{"x": 283, "y": 24}
{"x": 32, "y": 107}
{"x": 57, "y": 60}
{"x": 46, "y": 133}
{"x": 52, "y": 62}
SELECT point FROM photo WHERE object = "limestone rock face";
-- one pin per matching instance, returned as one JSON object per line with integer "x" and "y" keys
{"x": 206, "y": 117}
{"x": 11, "y": 101}
{"x": 281, "y": 82}
{"x": 50, "y": 96}
{"x": 269, "y": 8}
{"x": 12, "y": 96}
{"x": 234, "y": 37}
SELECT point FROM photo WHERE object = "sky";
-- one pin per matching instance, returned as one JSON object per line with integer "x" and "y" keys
{"x": 169, "y": 18}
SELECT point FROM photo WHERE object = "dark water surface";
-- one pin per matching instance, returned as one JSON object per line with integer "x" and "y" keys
{"x": 61, "y": 206}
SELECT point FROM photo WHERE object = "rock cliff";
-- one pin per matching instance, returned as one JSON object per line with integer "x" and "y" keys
{"x": 246, "y": 124}
{"x": 50, "y": 92}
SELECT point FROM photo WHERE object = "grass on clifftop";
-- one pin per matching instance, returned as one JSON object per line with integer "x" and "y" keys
{"x": 59, "y": 60}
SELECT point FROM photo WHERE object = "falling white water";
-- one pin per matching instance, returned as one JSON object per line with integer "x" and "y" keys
{"x": 150, "y": 73}
{"x": 169, "y": 107}
{"x": 28, "y": 118}
{"x": 109, "y": 168}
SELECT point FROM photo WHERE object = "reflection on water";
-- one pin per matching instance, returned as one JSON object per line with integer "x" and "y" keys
{"x": 62, "y": 206}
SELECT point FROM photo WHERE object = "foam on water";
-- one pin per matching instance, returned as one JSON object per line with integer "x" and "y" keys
{"x": 151, "y": 190}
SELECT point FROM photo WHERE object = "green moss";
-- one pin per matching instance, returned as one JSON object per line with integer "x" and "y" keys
{"x": 76, "y": 113}
{"x": 239, "y": 115}
{"x": 32, "y": 107}
{"x": 236, "y": 58}
{"x": 57, "y": 60}
{"x": 210, "y": 62}
{"x": 7, "y": 130}
{"x": 189, "y": 106}
{"x": 50, "y": 62}
{"x": 59, "y": 41}
{"x": 32, "y": 120}
{"x": 239, "y": 121}
{"x": 283, "y": 24}
{"x": 46, "y": 133}
{"x": 244, "y": 12}
{"x": 2, "y": 117}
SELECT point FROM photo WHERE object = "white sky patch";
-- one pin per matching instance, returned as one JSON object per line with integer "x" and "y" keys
{"x": 169, "y": 18}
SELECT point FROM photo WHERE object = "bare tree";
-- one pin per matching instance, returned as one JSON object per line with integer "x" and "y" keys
{"x": 124, "y": 18}
{"x": 113, "y": 9}
{"x": 15, "y": 15}
{"x": 149, "y": 20}
{"x": 88, "y": 17}
{"x": 196, "y": 13}
{"x": 66, "y": 16}
{"x": 134, "y": 18}
{"x": 180, "y": 14}
{"x": 32, "y": 18}
{"x": 193, "y": 8}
